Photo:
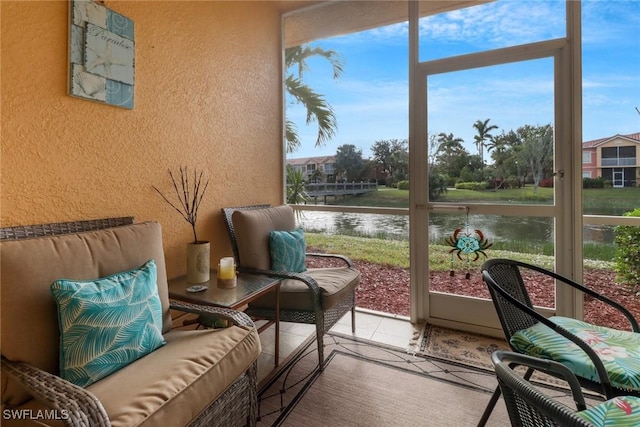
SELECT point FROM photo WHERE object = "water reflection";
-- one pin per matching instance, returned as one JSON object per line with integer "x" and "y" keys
{"x": 495, "y": 227}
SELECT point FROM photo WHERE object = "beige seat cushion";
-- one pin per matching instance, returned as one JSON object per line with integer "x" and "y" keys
{"x": 172, "y": 385}
{"x": 29, "y": 314}
{"x": 335, "y": 284}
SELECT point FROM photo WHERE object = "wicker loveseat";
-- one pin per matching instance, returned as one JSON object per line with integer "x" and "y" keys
{"x": 195, "y": 377}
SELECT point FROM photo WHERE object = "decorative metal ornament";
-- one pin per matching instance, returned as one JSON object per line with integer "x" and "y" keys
{"x": 468, "y": 244}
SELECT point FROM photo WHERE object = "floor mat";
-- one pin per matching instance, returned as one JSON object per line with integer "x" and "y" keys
{"x": 456, "y": 346}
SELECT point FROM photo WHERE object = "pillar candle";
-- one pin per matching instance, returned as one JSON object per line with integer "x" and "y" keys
{"x": 227, "y": 268}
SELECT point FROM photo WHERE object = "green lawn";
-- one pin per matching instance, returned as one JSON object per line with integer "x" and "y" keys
{"x": 609, "y": 201}
{"x": 385, "y": 197}
{"x": 396, "y": 252}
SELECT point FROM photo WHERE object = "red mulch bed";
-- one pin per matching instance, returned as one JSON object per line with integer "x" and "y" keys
{"x": 385, "y": 288}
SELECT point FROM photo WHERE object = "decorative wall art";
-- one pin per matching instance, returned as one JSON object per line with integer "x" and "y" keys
{"x": 101, "y": 54}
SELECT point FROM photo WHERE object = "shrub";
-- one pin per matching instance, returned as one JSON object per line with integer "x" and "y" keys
{"x": 475, "y": 186}
{"x": 391, "y": 181}
{"x": 495, "y": 183}
{"x": 403, "y": 185}
{"x": 593, "y": 182}
{"x": 627, "y": 257}
{"x": 546, "y": 182}
{"x": 513, "y": 182}
{"x": 450, "y": 181}
{"x": 437, "y": 186}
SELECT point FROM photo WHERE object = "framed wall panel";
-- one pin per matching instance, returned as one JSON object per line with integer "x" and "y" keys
{"x": 101, "y": 54}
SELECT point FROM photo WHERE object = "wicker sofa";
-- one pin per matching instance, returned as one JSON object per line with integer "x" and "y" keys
{"x": 196, "y": 377}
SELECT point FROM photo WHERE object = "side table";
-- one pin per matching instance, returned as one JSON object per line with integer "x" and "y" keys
{"x": 249, "y": 287}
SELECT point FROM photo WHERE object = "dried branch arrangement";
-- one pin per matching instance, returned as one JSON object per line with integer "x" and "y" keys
{"x": 189, "y": 193}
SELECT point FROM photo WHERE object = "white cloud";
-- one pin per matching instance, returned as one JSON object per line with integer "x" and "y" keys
{"x": 497, "y": 24}
{"x": 372, "y": 103}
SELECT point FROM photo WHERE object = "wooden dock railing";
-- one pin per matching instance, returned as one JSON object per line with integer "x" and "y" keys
{"x": 336, "y": 189}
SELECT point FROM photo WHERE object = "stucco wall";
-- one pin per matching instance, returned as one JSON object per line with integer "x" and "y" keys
{"x": 207, "y": 94}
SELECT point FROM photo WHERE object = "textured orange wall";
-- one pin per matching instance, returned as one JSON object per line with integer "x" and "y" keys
{"x": 207, "y": 94}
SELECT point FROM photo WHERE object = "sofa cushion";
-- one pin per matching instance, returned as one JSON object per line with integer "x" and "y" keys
{"x": 172, "y": 385}
{"x": 288, "y": 250}
{"x": 252, "y": 228}
{"x": 335, "y": 283}
{"x": 106, "y": 324}
{"x": 28, "y": 311}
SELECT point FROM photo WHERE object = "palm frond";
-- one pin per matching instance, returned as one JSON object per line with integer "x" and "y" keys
{"x": 318, "y": 109}
{"x": 291, "y": 136}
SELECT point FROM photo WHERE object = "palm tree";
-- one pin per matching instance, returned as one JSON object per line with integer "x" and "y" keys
{"x": 296, "y": 193}
{"x": 450, "y": 155}
{"x": 449, "y": 143}
{"x": 318, "y": 109}
{"x": 483, "y": 135}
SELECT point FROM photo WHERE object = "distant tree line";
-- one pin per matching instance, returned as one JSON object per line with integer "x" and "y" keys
{"x": 518, "y": 157}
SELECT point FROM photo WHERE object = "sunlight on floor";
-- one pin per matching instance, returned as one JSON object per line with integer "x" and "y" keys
{"x": 372, "y": 326}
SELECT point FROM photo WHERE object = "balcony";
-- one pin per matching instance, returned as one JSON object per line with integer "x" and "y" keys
{"x": 619, "y": 161}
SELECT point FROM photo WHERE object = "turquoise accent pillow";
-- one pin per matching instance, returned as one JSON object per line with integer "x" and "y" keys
{"x": 288, "y": 250}
{"x": 107, "y": 323}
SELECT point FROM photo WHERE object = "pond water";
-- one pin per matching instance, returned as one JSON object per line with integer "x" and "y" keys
{"x": 495, "y": 227}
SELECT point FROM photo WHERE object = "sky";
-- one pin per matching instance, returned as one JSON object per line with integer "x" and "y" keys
{"x": 370, "y": 99}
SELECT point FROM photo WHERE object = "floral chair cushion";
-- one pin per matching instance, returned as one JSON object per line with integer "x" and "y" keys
{"x": 618, "y": 350}
{"x": 619, "y": 411}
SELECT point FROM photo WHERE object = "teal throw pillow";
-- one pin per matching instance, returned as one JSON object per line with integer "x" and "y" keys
{"x": 107, "y": 323}
{"x": 288, "y": 250}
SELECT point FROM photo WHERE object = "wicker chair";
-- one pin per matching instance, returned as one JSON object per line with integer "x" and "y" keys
{"x": 526, "y": 405}
{"x": 237, "y": 406}
{"x": 310, "y": 305}
{"x": 521, "y": 323}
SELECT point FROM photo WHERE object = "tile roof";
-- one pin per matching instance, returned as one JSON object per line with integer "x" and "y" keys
{"x": 596, "y": 142}
{"x": 311, "y": 160}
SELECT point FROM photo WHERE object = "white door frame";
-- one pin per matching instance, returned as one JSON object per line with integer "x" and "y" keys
{"x": 617, "y": 178}
{"x": 472, "y": 314}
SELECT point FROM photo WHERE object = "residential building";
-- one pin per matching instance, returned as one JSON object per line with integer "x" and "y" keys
{"x": 615, "y": 158}
{"x": 325, "y": 165}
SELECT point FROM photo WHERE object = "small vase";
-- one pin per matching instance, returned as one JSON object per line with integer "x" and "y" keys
{"x": 198, "y": 262}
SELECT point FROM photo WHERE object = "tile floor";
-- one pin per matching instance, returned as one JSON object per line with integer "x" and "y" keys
{"x": 395, "y": 331}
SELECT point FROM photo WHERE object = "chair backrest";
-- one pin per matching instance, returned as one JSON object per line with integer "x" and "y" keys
{"x": 251, "y": 228}
{"x": 505, "y": 273}
{"x": 228, "y": 220}
{"x": 56, "y": 228}
{"x": 526, "y": 405}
